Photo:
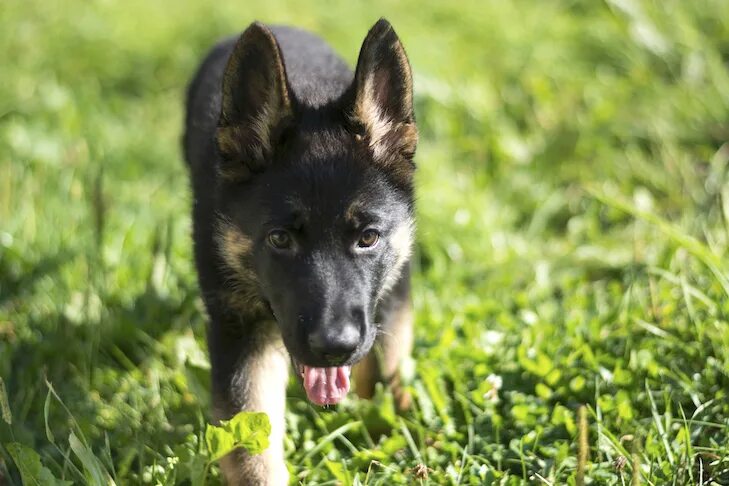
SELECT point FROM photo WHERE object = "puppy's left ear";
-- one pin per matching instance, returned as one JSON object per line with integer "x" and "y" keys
{"x": 383, "y": 101}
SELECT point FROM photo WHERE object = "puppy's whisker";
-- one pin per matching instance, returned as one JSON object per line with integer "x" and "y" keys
{"x": 383, "y": 332}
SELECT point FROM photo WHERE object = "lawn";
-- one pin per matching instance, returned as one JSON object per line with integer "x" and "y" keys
{"x": 572, "y": 265}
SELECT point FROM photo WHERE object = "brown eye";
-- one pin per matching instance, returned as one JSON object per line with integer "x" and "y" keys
{"x": 279, "y": 239}
{"x": 368, "y": 238}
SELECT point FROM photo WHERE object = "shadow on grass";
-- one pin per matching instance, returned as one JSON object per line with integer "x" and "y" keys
{"x": 17, "y": 276}
{"x": 123, "y": 374}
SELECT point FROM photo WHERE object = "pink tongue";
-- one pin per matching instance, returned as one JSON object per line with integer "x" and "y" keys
{"x": 326, "y": 386}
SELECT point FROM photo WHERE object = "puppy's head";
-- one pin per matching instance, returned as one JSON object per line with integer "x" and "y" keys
{"x": 316, "y": 204}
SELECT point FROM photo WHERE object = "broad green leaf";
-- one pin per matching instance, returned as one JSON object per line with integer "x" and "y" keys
{"x": 219, "y": 441}
{"x": 249, "y": 430}
{"x": 31, "y": 470}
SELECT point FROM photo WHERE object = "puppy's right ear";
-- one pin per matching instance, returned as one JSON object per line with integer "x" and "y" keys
{"x": 256, "y": 103}
{"x": 383, "y": 101}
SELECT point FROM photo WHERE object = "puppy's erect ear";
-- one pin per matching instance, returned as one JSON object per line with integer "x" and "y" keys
{"x": 383, "y": 100}
{"x": 256, "y": 104}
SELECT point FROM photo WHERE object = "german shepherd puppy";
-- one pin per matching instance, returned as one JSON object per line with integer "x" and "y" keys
{"x": 302, "y": 174}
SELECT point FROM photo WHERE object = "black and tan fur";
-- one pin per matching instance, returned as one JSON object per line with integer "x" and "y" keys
{"x": 280, "y": 135}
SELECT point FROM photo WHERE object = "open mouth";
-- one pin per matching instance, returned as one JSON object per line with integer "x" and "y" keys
{"x": 324, "y": 386}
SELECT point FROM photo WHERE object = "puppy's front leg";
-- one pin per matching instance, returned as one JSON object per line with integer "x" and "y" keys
{"x": 251, "y": 375}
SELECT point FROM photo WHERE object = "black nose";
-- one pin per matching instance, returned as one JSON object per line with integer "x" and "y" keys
{"x": 335, "y": 344}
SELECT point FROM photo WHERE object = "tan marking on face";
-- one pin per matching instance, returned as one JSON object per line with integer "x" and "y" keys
{"x": 402, "y": 242}
{"x": 234, "y": 245}
{"x": 350, "y": 215}
{"x": 244, "y": 299}
{"x": 234, "y": 248}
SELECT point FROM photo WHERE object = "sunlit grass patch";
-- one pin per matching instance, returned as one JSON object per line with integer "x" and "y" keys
{"x": 573, "y": 206}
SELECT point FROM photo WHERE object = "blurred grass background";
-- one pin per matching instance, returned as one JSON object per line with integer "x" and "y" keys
{"x": 572, "y": 250}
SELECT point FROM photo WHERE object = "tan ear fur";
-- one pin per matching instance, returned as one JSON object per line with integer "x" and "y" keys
{"x": 255, "y": 102}
{"x": 383, "y": 102}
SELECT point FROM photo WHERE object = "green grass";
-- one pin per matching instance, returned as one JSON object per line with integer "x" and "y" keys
{"x": 573, "y": 226}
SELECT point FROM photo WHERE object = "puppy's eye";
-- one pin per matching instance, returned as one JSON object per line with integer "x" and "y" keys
{"x": 279, "y": 239}
{"x": 368, "y": 238}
